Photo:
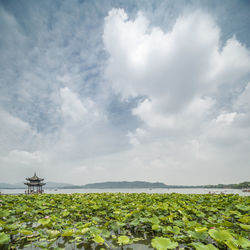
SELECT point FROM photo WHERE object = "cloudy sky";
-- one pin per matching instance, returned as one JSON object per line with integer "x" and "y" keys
{"x": 95, "y": 91}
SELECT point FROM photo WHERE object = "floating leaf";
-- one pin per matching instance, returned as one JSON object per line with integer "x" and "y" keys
{"x": 220, "y": 235}
{"x": 197, "y": 235}
{"x": 98, "y": 239}
{"x": 44, "y": 222}
{"x": 123, "y": 240}
{"x": 4, "y": 239}
{"x": 232, "y": 244}
{"x": 161, "y": 243}
{"x": 200, "y": 229}
{"x": 243, "y": 207}
{"x": 155, "y": 227}
{"x": 53, "y": 233}
{"x": 25, "y": 232}
{"x": 68, "y": 233}
{"x": 200, "y": 246}
{"x": 244, "y": 226}
{"x": 83, "y": 231}
{"x": 65, "y": 213}
{"x": 4, "y": 213}
{"x": 243, "y": 242}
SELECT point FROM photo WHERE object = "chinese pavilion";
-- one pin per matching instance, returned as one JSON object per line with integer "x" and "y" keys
{"x": 35, "y": 185}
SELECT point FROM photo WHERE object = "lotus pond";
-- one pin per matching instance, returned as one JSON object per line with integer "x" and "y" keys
{"x": 124, "y": 221}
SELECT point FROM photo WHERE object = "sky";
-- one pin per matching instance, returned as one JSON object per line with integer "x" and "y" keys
{"x": 94, "y": 91}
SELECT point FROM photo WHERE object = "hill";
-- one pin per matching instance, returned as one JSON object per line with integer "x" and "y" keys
{"x": 126, "y": 184}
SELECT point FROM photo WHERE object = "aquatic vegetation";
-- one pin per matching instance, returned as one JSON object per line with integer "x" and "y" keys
{"x": 112, "y": 220}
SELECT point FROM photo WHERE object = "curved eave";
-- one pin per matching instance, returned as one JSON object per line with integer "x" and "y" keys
{"x": 34, "y": 184}
{"x": 34, "y": 179}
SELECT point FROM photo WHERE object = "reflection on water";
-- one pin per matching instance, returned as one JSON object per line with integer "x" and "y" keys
{"x": 135, "y": 190}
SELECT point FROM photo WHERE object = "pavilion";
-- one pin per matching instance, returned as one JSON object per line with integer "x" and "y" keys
{"x": 35, "y": 185}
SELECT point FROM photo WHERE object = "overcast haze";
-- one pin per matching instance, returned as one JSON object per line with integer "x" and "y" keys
{"x": 94, "y": 91}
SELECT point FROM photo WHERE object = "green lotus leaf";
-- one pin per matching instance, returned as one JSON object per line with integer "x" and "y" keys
{"x": 198, "y": 235}
{"x": 123, "y": 240}
{"x": 200, "y": 246}
{"x": 244, "y": 226}
{"x": 243, "y": 207}
{"x": 161, "y": 243}
{"x": 232, "y": 244}
{"x": 105, "y": 233}
{"x": 243, "y": 242}
{"x": 68, "y": 233}
{"x": 98, "y": 239}
{"x": 155, "y": 227}
{"x": 65, "y": 213}
{"x": 135, "y": 222}
{"x": 176, "y": 230}
{"x": 245, "y": 219}
{"x": 227, "y": 224}
{"x": 4, "y": 213}
{"x": 220, "y": 235}
{"x": 154, "y": 220}
{"x": 44, "y": 221}
{"x": 169, "y": 229}
{"x": 83, "y": 231}
{"x": 10, "y": 227}
{"x": 53, "y": 233}
{"x": 200, "y": 229}
{"x": 25, "y": 232}
{"x": 2, "y": 222}
{"x": 4, "y": 239}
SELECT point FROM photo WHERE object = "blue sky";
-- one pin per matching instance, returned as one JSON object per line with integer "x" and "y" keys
{"x": 125, "y": 90}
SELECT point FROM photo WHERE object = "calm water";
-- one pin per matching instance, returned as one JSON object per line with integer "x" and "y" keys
{"x": 141, "y": 190}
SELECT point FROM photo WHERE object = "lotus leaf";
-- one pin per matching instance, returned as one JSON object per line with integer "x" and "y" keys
{"x": 220, "y": 235}
{"x": 155, "y": 227}
{"x": 123, "y": 240}
{"x": 200, "y": 246}
{"x": 232, "y": 244}
{"x": 68, "y": 233}
{"x": 4, "y": 239}
{"x": 243, "y": 242}
{"x": 53, "y": 233}
{"x": 161, "y": 243}
{"x": 200, "y": 229}
{"x": 44, "y": 221}
{"x": 246, "y": 227}
{"x": 25, "y": 232}
{"x": 4, "y": 213}
{"x": 98, "y": 239}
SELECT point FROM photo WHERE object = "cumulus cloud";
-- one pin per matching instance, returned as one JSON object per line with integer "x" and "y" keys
{"x": 177, "y": 71}
{"x": 181, "y": 76}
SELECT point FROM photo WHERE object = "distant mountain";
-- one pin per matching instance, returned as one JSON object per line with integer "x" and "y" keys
{"x": 121, "y": 184}
{"x": 7, "y": 185}
{"x": 144, "y": 184}
{"x": 51, "y": 184}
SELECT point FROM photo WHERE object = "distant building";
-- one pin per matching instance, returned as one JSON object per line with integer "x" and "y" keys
{"x": 35, "y": 185}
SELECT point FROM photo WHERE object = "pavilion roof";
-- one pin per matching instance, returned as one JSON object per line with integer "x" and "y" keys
{"x": 34, "y": 183}
{"x": 34, "y": 178}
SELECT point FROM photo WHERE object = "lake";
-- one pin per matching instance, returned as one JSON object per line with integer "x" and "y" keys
{"x": 134, "y": 190}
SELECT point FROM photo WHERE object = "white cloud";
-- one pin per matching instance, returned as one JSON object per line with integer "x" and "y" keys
{"x": 183, "y": 75}
{"x": 72, "y": 107}
{"x": 170, "y": 68}
{"x": 15, "y": 134}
